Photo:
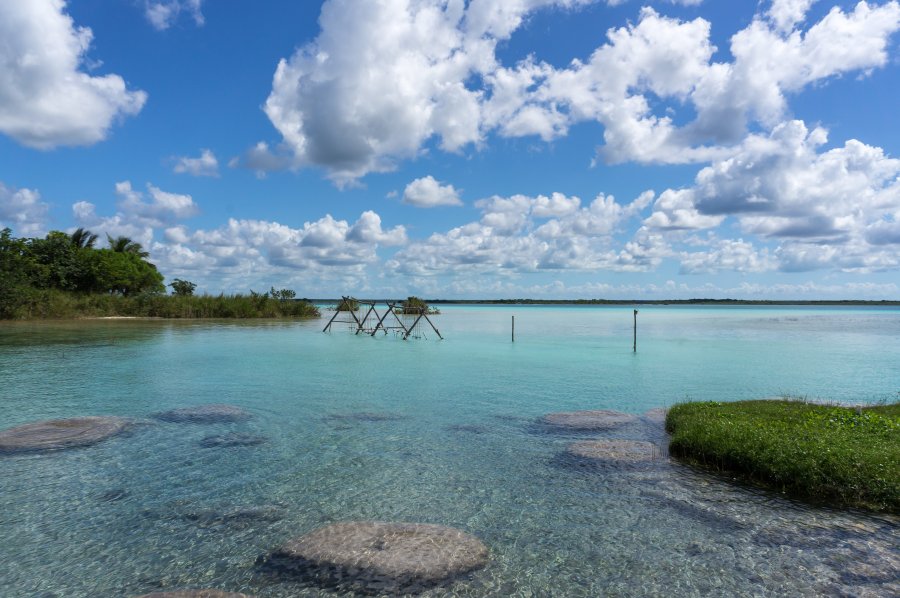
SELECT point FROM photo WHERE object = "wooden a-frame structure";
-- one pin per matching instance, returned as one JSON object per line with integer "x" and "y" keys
{"x": 381, "y": 321}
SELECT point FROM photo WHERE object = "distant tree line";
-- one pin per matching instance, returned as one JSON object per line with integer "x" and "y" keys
{"x": 66, "y": 275}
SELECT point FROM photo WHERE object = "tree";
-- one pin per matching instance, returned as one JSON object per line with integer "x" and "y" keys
{"x": 15, "y": 273}
{"x": 122, "y": 244}
{"x": 123, "y": 273}
{"x": 183, "y": 288}
{"x": 56, "y": 262}
{"x": 83, "y": 239}
{"x": 283, "y": 294}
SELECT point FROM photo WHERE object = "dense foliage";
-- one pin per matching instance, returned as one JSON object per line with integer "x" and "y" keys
{"x": 66, "y": 276}
{"x": 414, "y": 305}
{"x": 347, "y": 305}
{"x": 821, "y": 453}
{"x": 61, "y": 262}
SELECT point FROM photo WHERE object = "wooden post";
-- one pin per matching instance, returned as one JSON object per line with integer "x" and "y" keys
{"x": 634, "y": 347}
{"x": 514, "y": 329}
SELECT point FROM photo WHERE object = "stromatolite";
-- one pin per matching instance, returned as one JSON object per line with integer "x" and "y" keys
{"x": 657, "y": 415}
{"x": 379, "y": 556}
{"x": 629, "y": 451}
{"x": 205, "y": 414}
{"x": 599, "y": 419}
{"x": 57, "y": 434}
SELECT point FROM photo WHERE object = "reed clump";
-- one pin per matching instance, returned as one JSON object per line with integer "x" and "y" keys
{"x": 824, "y": 454}
{"x": 55, "y": 304}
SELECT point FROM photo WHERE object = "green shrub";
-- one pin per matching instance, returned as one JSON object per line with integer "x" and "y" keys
{"x": 56, "y": 304}
{"x": 820, "y": 453}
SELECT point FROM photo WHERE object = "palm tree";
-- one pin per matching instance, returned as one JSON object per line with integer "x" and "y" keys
{"x": 123, "y": 244}
{"x": 82, "y": 238}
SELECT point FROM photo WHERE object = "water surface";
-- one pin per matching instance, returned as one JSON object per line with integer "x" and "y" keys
{"x": 430, "y": 431}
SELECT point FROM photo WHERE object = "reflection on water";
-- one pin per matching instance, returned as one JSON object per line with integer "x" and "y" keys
{"x": 350, "y": 428}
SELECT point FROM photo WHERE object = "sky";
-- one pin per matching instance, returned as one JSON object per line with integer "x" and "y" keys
{"x": 465, "y": 148}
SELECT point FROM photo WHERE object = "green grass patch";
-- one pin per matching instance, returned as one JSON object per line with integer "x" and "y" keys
{"x": 55, "y": 304}
{"x": 825, "y": 454}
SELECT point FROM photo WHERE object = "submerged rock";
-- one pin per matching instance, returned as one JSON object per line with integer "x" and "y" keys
{"x": 231, "y": 439}
{"x": 195, "y": 594}
{"x": 656, "y": 416}
{"x": 205, "y": 414}
{"x": 377, "y": 557}
{"x": 57, "y": 434}
{"x": 628, "y": 451}
{"x": 600, "y": 419}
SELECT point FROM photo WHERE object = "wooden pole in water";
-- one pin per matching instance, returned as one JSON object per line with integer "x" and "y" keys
{"x": 634, "y": 347}
{"x": 514, "y": 329}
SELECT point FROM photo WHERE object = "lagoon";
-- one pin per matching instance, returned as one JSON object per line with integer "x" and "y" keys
{"x": 430, "y": 431}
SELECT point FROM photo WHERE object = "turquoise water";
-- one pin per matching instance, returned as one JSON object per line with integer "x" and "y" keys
{"x": 156, "y": 510}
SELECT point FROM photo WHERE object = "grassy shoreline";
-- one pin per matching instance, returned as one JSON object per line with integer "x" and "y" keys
{"x": 824, "y": 454}
{"x": 52, "y": 304}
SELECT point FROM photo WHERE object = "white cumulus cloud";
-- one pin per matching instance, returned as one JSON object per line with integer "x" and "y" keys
{"x": 382, "y": 79}
{"x": 204, "y": 165}
{"x": 426, "y": 192}
{"x": 830, "y": 209}
{"x": 162, "y": 14}
{"x": 22, "y": 210}
{"x": 46, "y": 99}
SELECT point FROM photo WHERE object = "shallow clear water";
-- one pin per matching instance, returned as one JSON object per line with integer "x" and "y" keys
{"x": 155, "y": 509}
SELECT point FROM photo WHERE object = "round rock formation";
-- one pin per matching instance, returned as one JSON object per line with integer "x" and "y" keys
{"x": 600, "y": 419}
{"x": 205, "y": 414}
{"x": 628, "y": 451}
{"x": 656, "y": 416}
{"x": 57, "y": 434}
{"x": 195, "y": 594}
{"x": 382, "y": 557}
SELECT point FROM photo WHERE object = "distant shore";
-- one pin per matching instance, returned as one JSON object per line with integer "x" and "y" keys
{"x": 815, "y": 302}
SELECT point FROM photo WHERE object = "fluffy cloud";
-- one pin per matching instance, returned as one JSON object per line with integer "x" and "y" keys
{"x": 663, "y": 62}
{"x": 46, "y": 100}
{"x": 830, "y": 209}
{"x": 426, "y": 192}
{"x": 728, "y": 254}
{"x": 163, "y": 207}
{"x": 162, "y": 14}
{"x": 784, "y": 14}
{"x": 205, "y": 165}
{"x": 136, "y": 217}
{"x": 22, "y": 210}
{"x": 520, "y": 234}
{"x": 260, "y": 248}
{"x": 242, "y": 253}
{"x": 382, "y": 80}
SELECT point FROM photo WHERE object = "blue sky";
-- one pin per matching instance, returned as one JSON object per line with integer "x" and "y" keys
{"x": 450, "y": 148}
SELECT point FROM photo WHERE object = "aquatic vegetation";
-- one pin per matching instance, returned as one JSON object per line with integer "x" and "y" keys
{"x": 845, "y": 456}
{"x": 56, "y": 304}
